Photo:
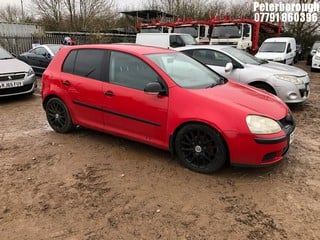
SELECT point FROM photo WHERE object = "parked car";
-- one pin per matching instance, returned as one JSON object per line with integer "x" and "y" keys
{"x": 278, "y": 49}
{"x": 316, "y": 61}
{"x": 16, "y": 77}
{"x": 289, "y": 83}
{"x": 166, "y": 99}
{"x": 312, "y": 51}
{"x": 39, "y": 57}
{"x": 165, "y": 40}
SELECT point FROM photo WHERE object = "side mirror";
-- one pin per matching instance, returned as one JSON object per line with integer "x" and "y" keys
{"x": 289, "y": 50}
{"x": 154, "y": 88}
{"x": 314, "y": 51}
{"x": 229, "y": 67}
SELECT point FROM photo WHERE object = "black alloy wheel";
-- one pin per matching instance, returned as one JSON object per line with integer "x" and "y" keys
{"x": 58, "y": 116}
{"x": 200, "y": 148}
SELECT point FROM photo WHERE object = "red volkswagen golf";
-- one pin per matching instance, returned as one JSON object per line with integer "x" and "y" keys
{"x": 166, "y": 99}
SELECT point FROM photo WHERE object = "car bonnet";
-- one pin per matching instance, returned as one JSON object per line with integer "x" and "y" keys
{"x": 244, "y": 98}
{"x": 12, "y": 66}
{"x": 279, "y": 68}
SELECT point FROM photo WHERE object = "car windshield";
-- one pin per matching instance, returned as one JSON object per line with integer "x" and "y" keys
{"x": 4, "y": 54}
{"x": 243, "y": 56}
{"x": 193, "y": 31}
{"x": 316, "y": 45}
{"x": 54, "y": 48}
{"x": 185, "y": 71}
{"x": 226, "y": 31}
{"x": 273, "y": 47}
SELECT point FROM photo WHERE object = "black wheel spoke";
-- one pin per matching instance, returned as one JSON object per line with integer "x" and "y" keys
{"x": 58, "y": 115}
{"x": 200, "y": 148}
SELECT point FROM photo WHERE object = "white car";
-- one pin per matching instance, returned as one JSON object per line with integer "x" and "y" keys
{"x": 291, "y": 84}
{"x": 315, "y": 65}
{"x": 16, "y": 77}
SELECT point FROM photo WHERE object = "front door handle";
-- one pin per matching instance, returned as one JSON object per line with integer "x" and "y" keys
{"x": 66, "y": 83}
{"x": 109, "y": 93}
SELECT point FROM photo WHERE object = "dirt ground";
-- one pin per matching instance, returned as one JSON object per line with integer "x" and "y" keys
{"x": 89, "y": 185}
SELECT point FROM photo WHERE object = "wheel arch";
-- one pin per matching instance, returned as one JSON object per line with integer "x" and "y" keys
{"x": 50, "y": 96}
{"x": 260, "y": 83}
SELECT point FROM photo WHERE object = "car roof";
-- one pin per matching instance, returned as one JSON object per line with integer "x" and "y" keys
{"x": 215, "y": 47}
{"x": 129, "y": 48}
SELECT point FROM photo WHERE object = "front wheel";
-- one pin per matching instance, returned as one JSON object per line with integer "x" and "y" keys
{"x": 58, "y": 116}
{"x": 200, "y": 148}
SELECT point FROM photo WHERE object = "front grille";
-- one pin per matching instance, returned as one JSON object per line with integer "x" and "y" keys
{"x": 24, "y": 88}
{"x": 12, "y": 76}
{"x": 304, "y": 92}
{"x": 287, "y": 123}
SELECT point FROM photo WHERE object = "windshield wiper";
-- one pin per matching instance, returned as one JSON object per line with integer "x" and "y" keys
{"x": 6, "y": 58}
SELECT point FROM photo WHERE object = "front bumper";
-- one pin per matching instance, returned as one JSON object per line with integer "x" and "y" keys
{"x": 315, "y": 64}
{"x": 292, "y": 93}
{"x": 29, "y": 86}
{"x": 261, "y": 150}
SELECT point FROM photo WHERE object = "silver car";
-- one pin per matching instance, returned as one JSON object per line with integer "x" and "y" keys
{"x": 289, "y": 83}
{"x": 16, "y": 77}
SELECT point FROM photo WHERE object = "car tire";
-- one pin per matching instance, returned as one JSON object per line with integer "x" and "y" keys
{"x": 200, "y": 148}
{"x": 58, "y": 116}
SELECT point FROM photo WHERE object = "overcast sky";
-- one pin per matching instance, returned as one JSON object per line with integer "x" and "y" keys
{"x": 131, "y": 4}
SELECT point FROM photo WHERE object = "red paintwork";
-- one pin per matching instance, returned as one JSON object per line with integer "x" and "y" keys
{"x": 223, "y": 107}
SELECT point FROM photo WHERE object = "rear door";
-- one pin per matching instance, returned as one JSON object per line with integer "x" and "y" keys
{"x": 130, "y": 111}
{"x": 82, "y": 80}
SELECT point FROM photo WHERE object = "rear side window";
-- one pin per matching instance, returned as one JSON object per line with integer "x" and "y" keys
{"x": 85, "y": 62}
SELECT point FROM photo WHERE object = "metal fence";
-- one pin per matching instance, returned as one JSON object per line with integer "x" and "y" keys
{"x": 18, "y": 44}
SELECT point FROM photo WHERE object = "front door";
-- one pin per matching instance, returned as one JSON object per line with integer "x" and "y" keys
{"x": 130, "y": 111}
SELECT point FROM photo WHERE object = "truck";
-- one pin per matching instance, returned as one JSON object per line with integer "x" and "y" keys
{"x": 241, "y": 33}
{"x": 155, "y": 27}
{"x": 198, "y": 29}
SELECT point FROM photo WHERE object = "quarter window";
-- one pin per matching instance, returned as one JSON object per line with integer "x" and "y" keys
{"x": 130, "y": 71}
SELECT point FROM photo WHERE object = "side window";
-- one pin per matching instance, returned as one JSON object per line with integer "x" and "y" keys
{"x": 176, "y": 41}
{"x": 129, "y": 71}
{"x": 221, "y": 59}
{"x": 40, "y": 51}
{"x": 85, "y": 63}
{"x": 204, "y": 56}
{"x": 289, "y": 48}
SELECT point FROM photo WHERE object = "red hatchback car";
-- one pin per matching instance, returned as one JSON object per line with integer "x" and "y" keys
{"x": 166, "y": 99}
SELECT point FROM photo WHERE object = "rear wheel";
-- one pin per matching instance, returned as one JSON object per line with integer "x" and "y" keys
{"x": 58, "y": 116}
{"x": 200, "y": 148}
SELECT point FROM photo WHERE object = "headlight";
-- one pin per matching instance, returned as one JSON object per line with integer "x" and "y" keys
{"x": 316, "y": 57}
{"x": 262, "y": 125}
{"x": 30, "y": 72}
{"x": 278, "y": 59}
{"x": 289, "y": 78}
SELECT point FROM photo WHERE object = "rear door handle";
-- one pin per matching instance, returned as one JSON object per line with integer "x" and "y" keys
{"x": 66, "y": 83}
{"x": 109, "y": 93}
